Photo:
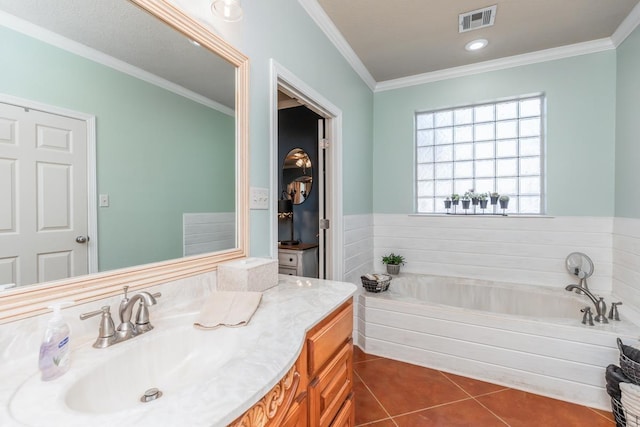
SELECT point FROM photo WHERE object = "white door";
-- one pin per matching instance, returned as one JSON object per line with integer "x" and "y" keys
{"x": 43, "y": 196}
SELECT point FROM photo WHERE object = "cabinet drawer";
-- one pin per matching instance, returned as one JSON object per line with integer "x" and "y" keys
{"x": 331, "y": 388}
{"x": 287, "y": 260}
{"x": 325, "y": 339}
{"x": 287, "y": 270}
{"x": 347, "y": 415}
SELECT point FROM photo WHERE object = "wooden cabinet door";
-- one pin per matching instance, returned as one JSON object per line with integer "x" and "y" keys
{"x": 347, "y": 416}
{"x": 328, "y": 391}
{"x": 297, "y": 416}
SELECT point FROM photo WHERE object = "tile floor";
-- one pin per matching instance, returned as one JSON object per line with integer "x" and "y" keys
{"x": 389, "y": 393}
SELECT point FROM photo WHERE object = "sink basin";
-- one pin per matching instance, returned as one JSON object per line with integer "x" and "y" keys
{"x": 169, "y": 360}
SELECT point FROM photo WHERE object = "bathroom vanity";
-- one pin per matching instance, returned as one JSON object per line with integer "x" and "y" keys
{"x": 290, "y": 366}
{"x": 318, "y": 390}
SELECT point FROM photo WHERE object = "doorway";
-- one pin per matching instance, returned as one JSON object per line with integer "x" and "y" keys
{"x": 327, "y": 215}
{"x": 301, "y": 242}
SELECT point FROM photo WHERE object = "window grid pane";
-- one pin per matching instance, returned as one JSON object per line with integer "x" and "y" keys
{"x": 488, "y": 147}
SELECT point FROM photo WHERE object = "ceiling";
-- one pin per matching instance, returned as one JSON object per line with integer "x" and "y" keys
{"x": 122, "y": 31}
{"x": 401, "y": 38}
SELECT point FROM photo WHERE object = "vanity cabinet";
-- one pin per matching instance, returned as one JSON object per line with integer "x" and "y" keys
{"x": 298, "y": 260}
{"x": 318, "y": 390}
{"x": 330, "y": 349}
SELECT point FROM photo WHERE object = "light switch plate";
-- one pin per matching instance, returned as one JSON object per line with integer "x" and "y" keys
{"x": 258, "y": 198}
{"x": 104, "y": 200}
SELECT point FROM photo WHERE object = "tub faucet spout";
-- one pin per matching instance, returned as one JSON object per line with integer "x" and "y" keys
{"x": 600, "y": 305}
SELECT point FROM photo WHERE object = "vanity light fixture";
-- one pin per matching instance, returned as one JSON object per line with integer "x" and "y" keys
{"x": 228, "y": 10}
{"x": 476, "y": 44}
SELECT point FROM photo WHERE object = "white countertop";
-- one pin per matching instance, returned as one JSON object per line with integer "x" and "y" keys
{"x": 268, "y": 347}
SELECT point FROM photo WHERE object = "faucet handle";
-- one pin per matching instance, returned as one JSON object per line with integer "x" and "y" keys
{"x": 142, "y": 316}
{"x": 107, "y": 329}
{"x": 103, "y": 309}
{"x": 613, "y": 312}
{"x": 588, "y": 316}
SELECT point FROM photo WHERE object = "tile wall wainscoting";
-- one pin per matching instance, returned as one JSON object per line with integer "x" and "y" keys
{"x": 358, "y": 255}
{"x": 626, "y": 260}
{"x": 526, "y": 250}
{"x": 358, "y": 247}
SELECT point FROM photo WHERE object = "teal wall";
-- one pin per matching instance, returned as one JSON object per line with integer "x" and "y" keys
{"x": 282, "y": 30}
{"x": 580, "y": 133}
{"x": 628, "y": 128}
{"x": 158, "y": 154}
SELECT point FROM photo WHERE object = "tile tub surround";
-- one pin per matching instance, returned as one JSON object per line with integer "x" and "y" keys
{"x": 554, "y": 356}
{"x": 270, "y": 345}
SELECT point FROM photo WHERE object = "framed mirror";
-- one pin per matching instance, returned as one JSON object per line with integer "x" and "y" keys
{"x": 166, "y": 102}
{"x": 297, "y": 172}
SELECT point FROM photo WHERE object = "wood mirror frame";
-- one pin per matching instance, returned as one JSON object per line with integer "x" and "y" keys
{"x": 33, "y": 300}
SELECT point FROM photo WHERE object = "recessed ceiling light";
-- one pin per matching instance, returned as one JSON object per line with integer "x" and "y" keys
{"x": 476, "y": 44}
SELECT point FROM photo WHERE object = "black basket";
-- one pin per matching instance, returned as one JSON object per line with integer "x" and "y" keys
{"x": 629, "y": 367}
{"x": 618, "y": 412}
{"x": 380, "y": 284}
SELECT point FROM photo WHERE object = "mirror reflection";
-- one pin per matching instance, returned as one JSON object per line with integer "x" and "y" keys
{"x": 154, "y": 109}
{"x": 297, "y": 174}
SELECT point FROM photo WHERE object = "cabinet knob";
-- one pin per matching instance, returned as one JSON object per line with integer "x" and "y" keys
{"x": 290, "y": 259}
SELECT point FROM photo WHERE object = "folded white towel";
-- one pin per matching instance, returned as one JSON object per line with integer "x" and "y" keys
{"x": 228, "y": 309}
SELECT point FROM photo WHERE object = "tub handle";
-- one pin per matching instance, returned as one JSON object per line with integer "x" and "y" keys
{"x": 587, "y": 318}
{"x": 613, "y": 313}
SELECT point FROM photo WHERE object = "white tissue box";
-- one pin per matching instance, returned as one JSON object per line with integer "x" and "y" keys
{"x": 249, "y": 274}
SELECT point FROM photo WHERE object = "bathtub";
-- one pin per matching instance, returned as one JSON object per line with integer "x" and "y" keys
{"x": 525, "y": 337}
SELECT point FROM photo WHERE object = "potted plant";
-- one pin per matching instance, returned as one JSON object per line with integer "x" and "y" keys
{"x": 447, "y": 203}
{"x": 482, "y": 199}
{"x": 393, "y": 262}
{"x": 494, "y": 198}
{"x": 465, "y": 201}
{"x": 455, "y": 198}
{"x": 474, "y": 197}
{"x": 504, "y": 203}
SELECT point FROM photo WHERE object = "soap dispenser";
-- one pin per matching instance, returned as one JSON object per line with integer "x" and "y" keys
{"x": 55, "y": 350}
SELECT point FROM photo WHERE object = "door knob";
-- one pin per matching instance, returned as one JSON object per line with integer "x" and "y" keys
{"x": 82, "y": 239}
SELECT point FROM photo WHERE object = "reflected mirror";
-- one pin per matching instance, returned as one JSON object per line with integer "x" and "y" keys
{"x": 134, "y": 125}
{"x": 296, "y": 173}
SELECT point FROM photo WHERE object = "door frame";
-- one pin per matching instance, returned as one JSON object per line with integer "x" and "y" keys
{"x": 92, "y": 199}
{"x": 282, "y": 77}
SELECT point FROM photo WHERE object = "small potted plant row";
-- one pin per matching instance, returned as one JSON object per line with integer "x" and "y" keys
{"x": 476, "y": 199}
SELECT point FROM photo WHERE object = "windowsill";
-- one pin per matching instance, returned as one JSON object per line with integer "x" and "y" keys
{"x": 461, "y": 215}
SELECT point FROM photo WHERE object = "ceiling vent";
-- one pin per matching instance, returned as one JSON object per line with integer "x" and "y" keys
{"x": 476, "y": 19}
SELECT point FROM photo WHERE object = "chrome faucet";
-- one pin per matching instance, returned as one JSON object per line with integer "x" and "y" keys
{"x": 601, "y": 307}
{"x": 108, "y": 335}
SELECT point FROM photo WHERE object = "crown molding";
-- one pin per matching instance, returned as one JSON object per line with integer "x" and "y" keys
{"x": 499, "y": 64}
{"x": 320, "y": 17}
{"x": 54, "y": 39}
{"x": 627, "y": 26}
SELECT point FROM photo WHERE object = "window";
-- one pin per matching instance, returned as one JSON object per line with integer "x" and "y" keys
{"x": 496, "y": 147}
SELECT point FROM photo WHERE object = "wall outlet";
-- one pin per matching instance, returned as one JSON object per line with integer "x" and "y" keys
{"x": 258, "y": 198}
